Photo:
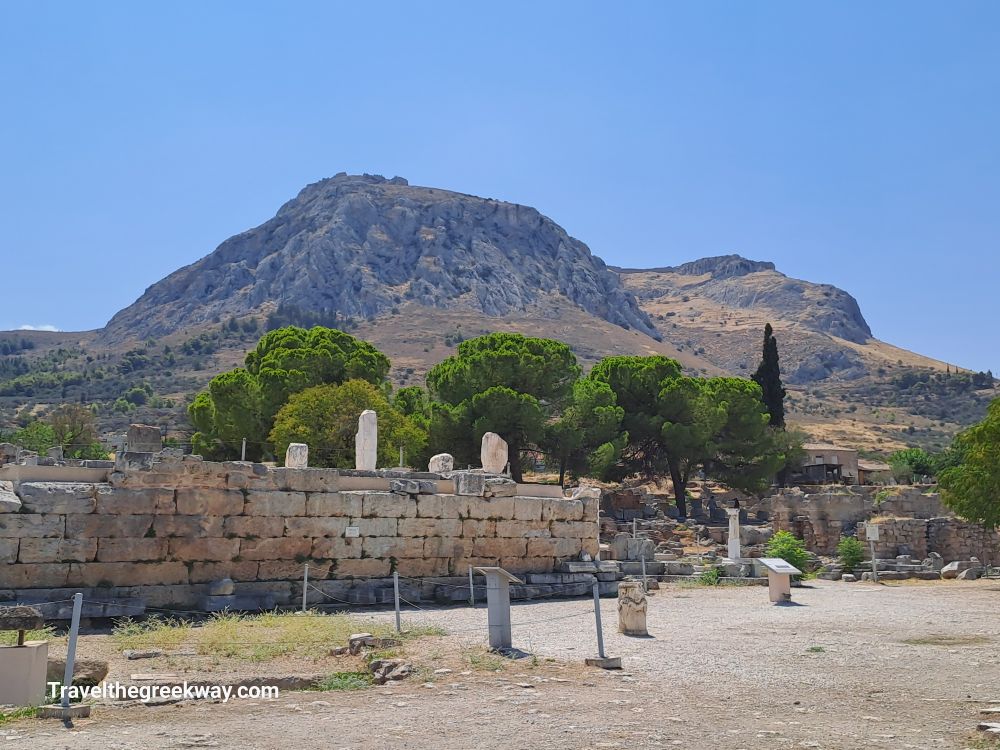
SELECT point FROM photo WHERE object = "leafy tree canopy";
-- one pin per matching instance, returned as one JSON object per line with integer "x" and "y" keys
{"x": 972, "y": 487}
{"x": 326, "y": 418}
{"x": 243, "y": 402}
{"x": 504, "y": 383}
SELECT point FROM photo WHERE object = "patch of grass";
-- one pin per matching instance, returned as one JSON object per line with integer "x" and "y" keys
{"x": 13, "y": 714}
{"x": 948, "y": 640}
{"x": 153, "y": 632}
{"x": 258, "y": 637}
{"x": 483, "y": 660}
{"x": 709, "y": 577}
{"x": 816, "y": 650}
{"x": 9, "y": 637}
{"x": 980, "y": 741}
{"x": 345, "y": 681}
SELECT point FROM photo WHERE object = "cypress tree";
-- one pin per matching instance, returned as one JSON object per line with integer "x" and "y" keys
{"x": 768, "y": 377}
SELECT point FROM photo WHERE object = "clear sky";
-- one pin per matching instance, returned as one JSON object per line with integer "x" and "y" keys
{"x": 854, "y": 143}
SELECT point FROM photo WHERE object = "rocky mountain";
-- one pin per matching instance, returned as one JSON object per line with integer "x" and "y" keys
{"x": 361, "y": 246}
{"x": 416, "y": 270}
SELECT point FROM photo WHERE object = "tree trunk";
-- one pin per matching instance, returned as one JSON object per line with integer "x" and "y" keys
{"x": 514, "y": 456}
{"x": 680, "y": 490}
{"x": 562, "y": 471}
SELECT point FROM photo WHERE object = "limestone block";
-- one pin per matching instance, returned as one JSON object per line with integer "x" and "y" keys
{"x": 528, "y": 508}
{"x": 210, "y": 502}
{"x": 127, "y": 574}
{"x": 283, "y": 548}
{"x": 431, "y": 506}
{"x": 472, "y": 528}
{"x": 500, "y": 547}
{"x": 34, "y": 575}
{"x": 553, "y": 547}
{"x": 392, "y": 546}
{"x": 142, "y": 438}
{"x": 491, "y": 508}
{"x": 469, "y": 484}
{"x": 206, "y": 571}
{"x": 9, "y": 502}
{"x": 57, "y": 497}
{"x": 297, "y": 456}
{"x": 366, "y": 442}
{"x": 187, "y": 526}
{"x": 336, "y": 548}
{"x": 590, "y": 547}
{"x": 80, "y": 526}
{"x": 57, "y": 550}
{"x": 422, "y": 568}
{"x": 17, "y": 525}
{"x": 375, "y": 526}
{"x": 8, "y": 551}
{"x": 305, "y": 480}
{"x": 500, "y": 487}
{"x": 127, "y": 550}
{"x": 441, "y": 463}
{"x": 253, "y": 526}
{"x": 315, "y": 527}
{"x": 632, "y": 606}
{"x": 113, "y": 500}
{"x": 559, "y": 509}
{"x": 291, "y": 570}
{"x": 525, "y": 529}
{"x": 275, "y": 504}
{"x": 421, "y": 527}
{"x": 334, "y": 504}
{"x": 451, "y": 506}
{"x": 581, "y": 530}
{"x": 443, "y": 546}
{"x": 527, "y": 564}
{"x": 364, "y": 568}
{"x": 132, "y": 461}
{"x": 493, "y": 453}
{"x": 413, "y": 486}
{"x": 388, "y": 505}
{"x": 205, "y": 549}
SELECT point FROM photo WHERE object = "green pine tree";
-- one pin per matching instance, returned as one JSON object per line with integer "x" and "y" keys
{"x": 768, "y": 377}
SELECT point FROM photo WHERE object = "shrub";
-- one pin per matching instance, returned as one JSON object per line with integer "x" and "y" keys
{"x": 850, "y": 552}
{"x": 709, "y": 577}
{"x": 789, "y": 548}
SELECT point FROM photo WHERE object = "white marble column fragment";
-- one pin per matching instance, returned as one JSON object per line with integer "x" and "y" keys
{"x": 297, "y": 456}
{"x": 734, "y": 552}
{"x": 493, "y": 453}
{"x": 366, "y": 442}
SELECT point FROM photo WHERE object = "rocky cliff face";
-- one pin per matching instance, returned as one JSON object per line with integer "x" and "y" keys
{"x": 363, "y": 245}
{"x": 738, "y": 283}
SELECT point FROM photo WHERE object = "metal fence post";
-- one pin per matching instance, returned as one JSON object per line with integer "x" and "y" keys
{"x": 472, "y": 591}
{"x": 305, "y": 585}
{"x": 597, "y": 618}
{"x": 74, "y": 631}
{"x": 395, "y": 591}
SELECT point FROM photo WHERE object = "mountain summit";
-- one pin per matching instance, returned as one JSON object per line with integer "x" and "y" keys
{"x": 361, "y": 245}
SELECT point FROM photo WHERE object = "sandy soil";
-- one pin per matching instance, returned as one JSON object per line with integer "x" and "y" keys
{"x": 849, "y": 666}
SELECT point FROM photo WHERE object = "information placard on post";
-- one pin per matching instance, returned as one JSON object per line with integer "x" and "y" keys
{"x": 779, "y": 578}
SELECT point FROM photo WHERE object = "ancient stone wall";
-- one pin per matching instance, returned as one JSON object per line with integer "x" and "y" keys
{"x": 171, "y": 529}
{"x": 911, "y": 521}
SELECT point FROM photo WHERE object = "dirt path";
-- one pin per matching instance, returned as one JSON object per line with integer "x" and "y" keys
{"x": 906, "y": 666}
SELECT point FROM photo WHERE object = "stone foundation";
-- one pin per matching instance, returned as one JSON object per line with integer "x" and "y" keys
{"x": 159, "y": 534}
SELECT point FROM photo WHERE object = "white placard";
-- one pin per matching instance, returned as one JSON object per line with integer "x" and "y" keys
{"x": 871, "y": 532}
{"x": 352, "y": 532}
{"x": 777, "y": 565}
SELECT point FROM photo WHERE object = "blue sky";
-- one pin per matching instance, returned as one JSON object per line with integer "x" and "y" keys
{"x": 853, "y": 143}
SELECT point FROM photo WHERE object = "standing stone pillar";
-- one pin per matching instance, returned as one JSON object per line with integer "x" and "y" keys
{"x": 632, "y": 609}
{"x": 297, "y": 456}
{"x": 493, "y": 453}
{"x": 734, "y": 552}
{"x": 366, "y": 441}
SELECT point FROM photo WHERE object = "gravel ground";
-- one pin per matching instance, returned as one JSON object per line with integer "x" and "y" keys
{"x": 847, "y": 666}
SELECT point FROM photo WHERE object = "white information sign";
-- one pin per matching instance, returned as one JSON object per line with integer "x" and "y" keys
{"x": 871, "y": 532}
{"x": 777, "y": 565}
{"x": 352, "y": 532}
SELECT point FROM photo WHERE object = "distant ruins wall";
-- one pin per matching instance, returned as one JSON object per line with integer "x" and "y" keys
{"x": 167, "y": 531}
{"x": 911, "y": 521}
